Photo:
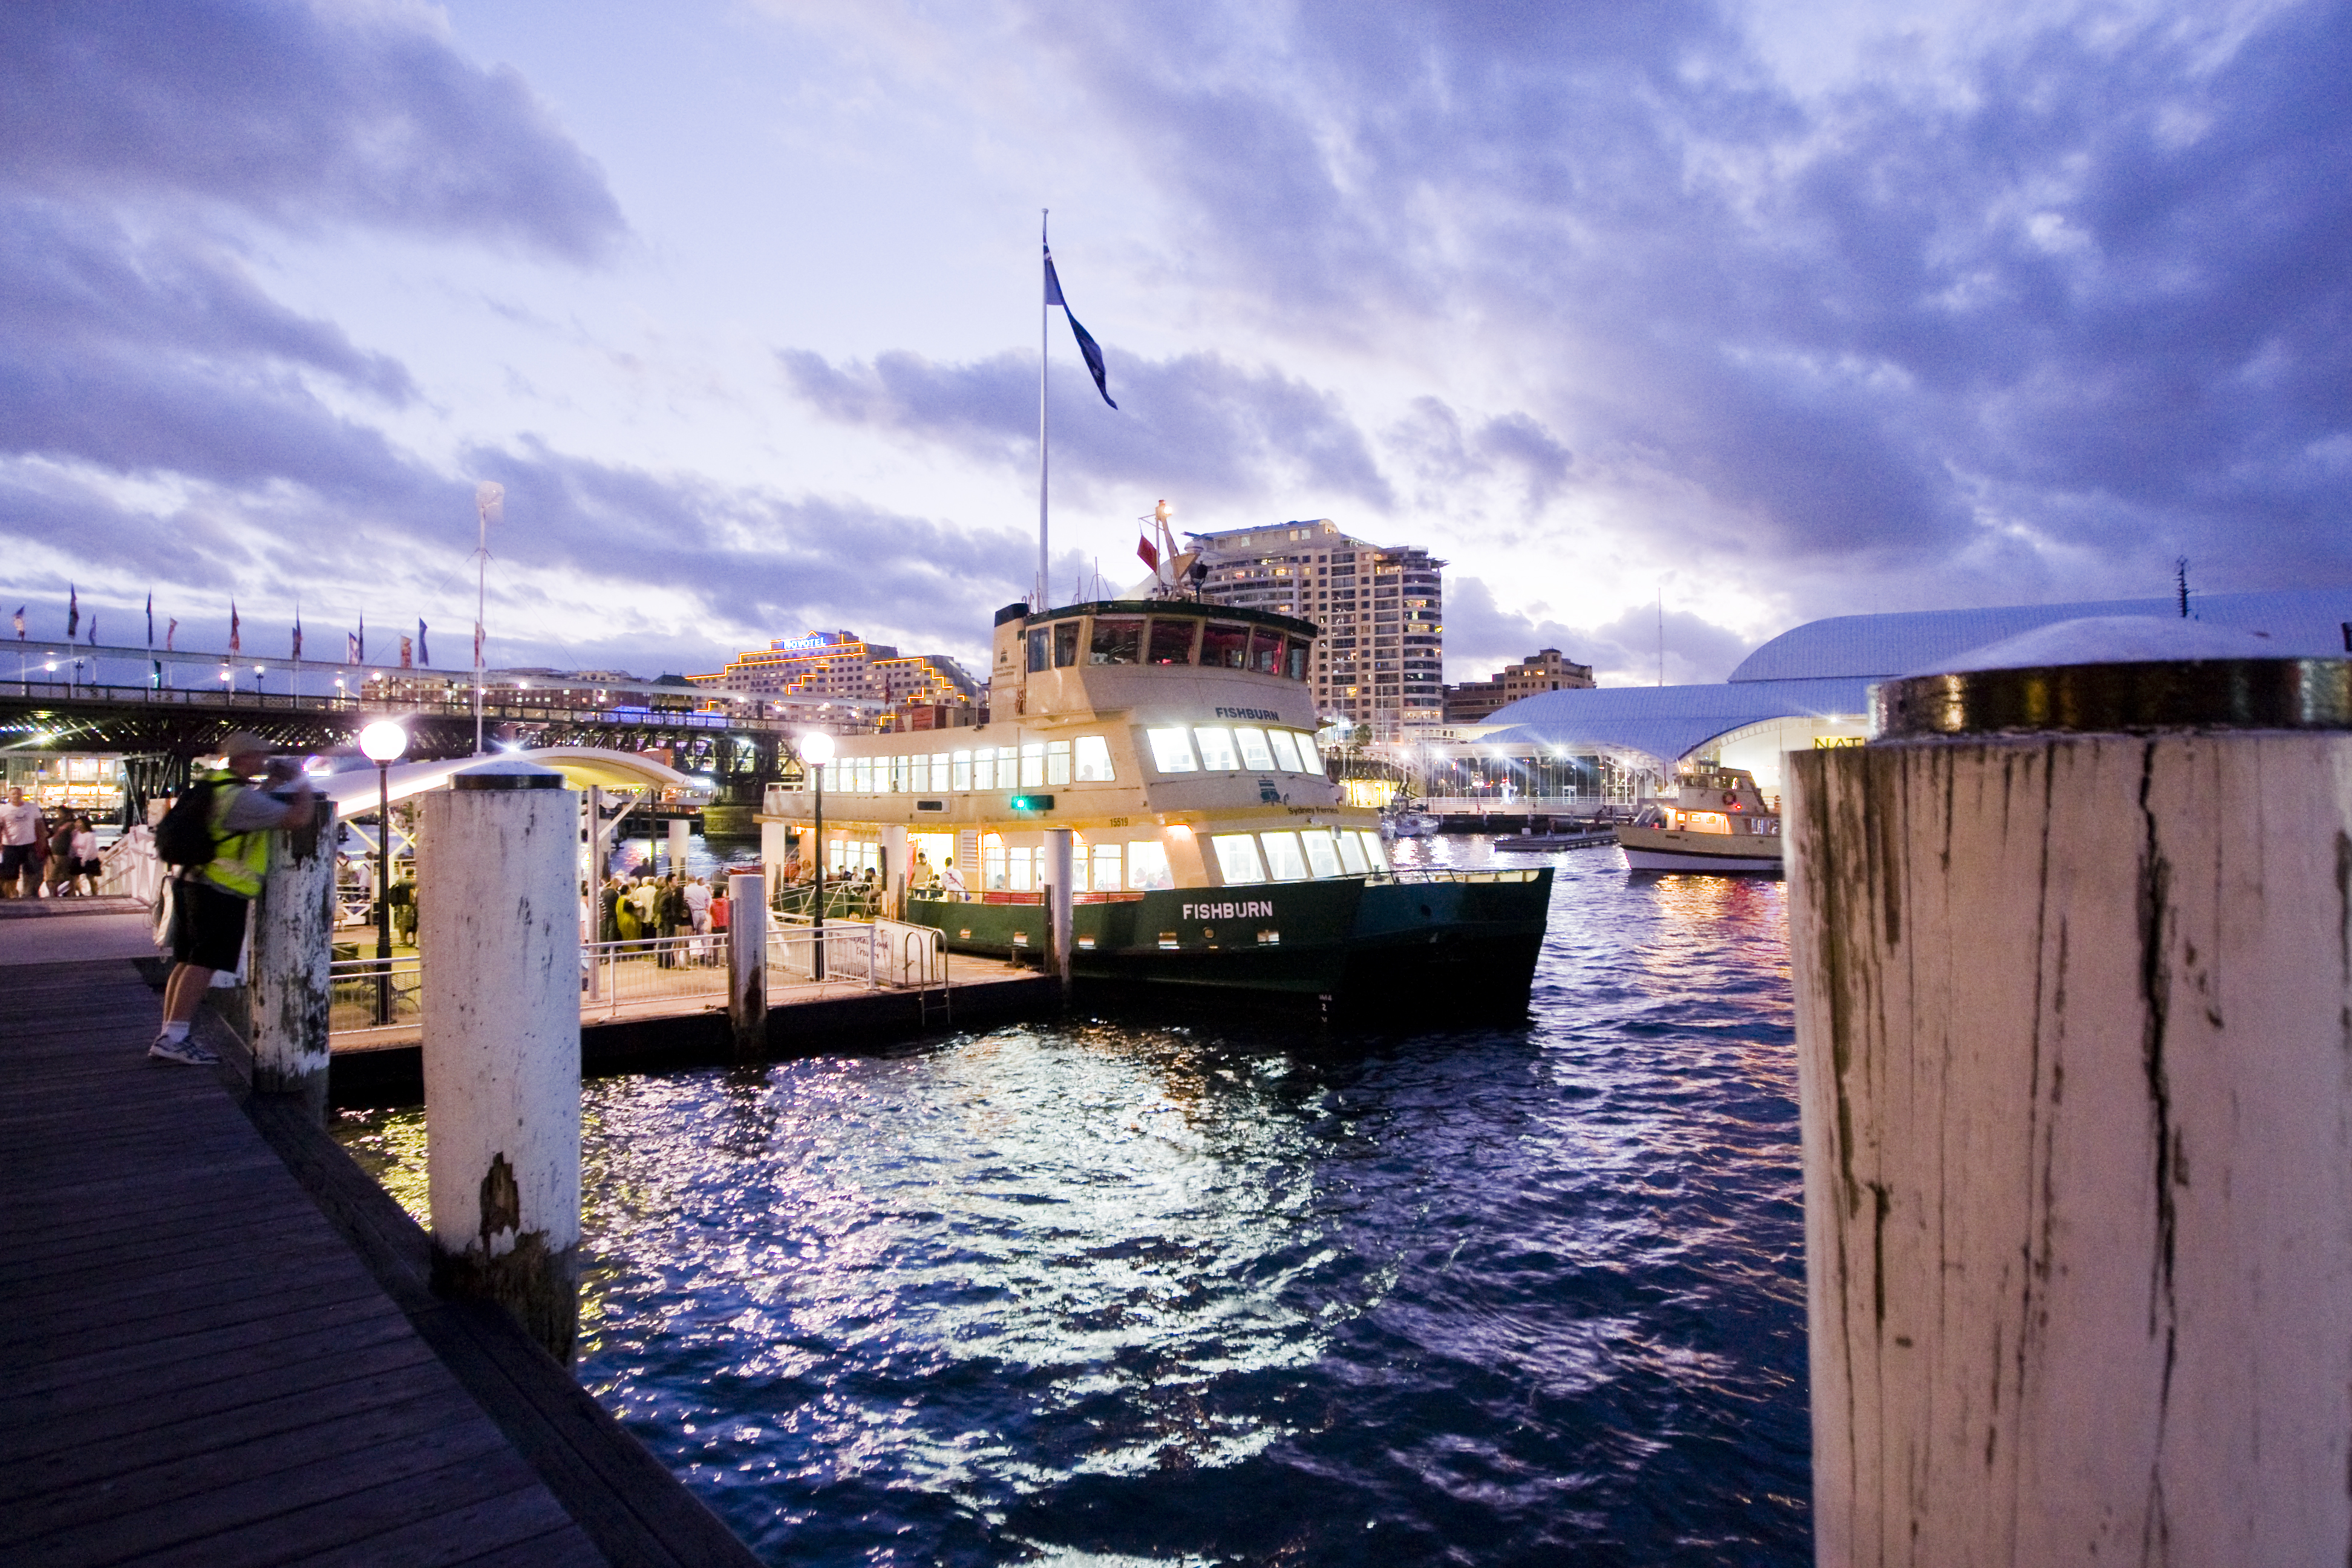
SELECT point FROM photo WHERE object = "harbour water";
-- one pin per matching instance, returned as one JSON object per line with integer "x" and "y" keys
{"x": 1216, "y": 1291}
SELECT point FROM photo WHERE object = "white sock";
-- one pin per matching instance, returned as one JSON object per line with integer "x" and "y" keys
{"x": 178, "y": 1031}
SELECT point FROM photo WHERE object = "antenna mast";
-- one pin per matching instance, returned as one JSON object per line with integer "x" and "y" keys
{"x": 1043, "y": 458}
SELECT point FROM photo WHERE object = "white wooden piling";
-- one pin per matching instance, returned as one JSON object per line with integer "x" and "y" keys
{"x": 747, "y": 963}
{"x": 678, "y": 830}
{"x": 896, "y": 865}
{"x": 290, "y": 963}
{"x": 1061, "y": 880}
{"x": 499, "y": 932}
{"x": 2074, "y": 1032}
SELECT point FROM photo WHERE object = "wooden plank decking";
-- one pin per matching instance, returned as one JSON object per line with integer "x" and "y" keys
{"x": 222, "y": 1350}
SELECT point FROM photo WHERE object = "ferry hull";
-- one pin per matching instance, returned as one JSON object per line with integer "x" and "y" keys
{"x": 1352, "y": 947}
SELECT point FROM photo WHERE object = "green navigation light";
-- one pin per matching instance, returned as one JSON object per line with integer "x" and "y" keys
{"x": 1031, "y": 803}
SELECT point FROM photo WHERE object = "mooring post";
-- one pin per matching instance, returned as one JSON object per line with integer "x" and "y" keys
{"x": 1061, "y": 882}
{"x": 747, "y": 963}
{"x": 499, "y": 936}
{"x": 290, "y": 967}
{"x": 2073, "y": 985}
{"x": 677, "y": 841}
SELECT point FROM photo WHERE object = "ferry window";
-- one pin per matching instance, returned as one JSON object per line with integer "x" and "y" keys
{"x": 1283, "y": 863}
{"x": 992, "y": 859}
{"x": 1171, "y": 639}
{"x": 1237, "y": 860}
{"x": 1373, "y": 852}
{"x": 1351, "y": 855}
{"x": 1023, "y": 869}
{"x": 861, "y": 775}
{"x": 1266, "y": 651}
{"x": 1057, "y": 762}
{"x": 1296, "y": 658}
{"x": 983, "y": 768}
{"x": 960, "y": 773}
{"x": 1224, "y": 646}
{"x": 1147, "y": 866}
{"x": 1079, "y": 880}
{"x": 1066, "y": 645}
{"x": 1039, "y": 644}
{"x": 1105, "y": 859}
{"x": 1094, "y": 760}
{"x": 1308, "y": 755}
{"x": 1254, "y": 754}
{"x": 942, "y": 773}
{"x": 1322, "y": 854}
{"x": 1171, "y": 752}
{"x": 1118, "y": 639}
{"x": 1033, "y": 766}
{"x": 1286, "y": 751}
{"x": 1216, "y": 748}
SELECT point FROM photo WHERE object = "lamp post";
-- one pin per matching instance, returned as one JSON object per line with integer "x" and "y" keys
{"x": 383, "y": 741}
{"x": 816, "y": 751}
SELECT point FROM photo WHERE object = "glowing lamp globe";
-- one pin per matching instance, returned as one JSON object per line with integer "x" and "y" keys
{"x": 383, "y": 741}
{"x": 816, "y": 748}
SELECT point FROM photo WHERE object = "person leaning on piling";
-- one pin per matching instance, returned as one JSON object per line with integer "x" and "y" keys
{"x": 209, "y": 902}
{"x": 20, "y": 829}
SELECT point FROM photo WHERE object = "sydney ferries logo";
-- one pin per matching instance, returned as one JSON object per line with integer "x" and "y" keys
{"x": 1242, "y": 912}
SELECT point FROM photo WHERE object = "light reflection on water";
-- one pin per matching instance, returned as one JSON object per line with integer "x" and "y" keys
{"x": 1123, "y": 1291}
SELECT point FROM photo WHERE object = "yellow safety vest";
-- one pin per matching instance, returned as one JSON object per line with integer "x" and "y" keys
{"x": 239, "y": 859}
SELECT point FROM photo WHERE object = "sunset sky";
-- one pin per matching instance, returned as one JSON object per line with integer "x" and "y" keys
{"x": 1780, "y": 309}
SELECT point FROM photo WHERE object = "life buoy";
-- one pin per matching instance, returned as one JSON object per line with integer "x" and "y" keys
{"x": 1731, "y": 798}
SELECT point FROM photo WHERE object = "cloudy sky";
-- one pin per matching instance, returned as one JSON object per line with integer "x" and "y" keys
{"x": 1775, "y": 309}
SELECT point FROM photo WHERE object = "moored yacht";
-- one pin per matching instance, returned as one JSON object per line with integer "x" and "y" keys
{"x": 1718, "y": 821}
{"x": 1174, "y": 741}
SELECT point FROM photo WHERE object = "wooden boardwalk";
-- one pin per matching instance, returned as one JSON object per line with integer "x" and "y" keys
{"x": 221, "y": 1350}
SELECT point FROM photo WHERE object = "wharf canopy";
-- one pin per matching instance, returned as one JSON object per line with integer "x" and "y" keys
{"x": 1810, "y": 686}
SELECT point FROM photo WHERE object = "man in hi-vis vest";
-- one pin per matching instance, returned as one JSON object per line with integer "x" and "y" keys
{"x": 209, "y": 902}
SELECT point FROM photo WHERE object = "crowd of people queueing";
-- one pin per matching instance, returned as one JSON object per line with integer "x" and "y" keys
{"x": 646, "y": 908}
{"x": 52, "y": 853}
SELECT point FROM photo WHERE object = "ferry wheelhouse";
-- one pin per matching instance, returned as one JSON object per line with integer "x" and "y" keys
{"x": 1175, "y": 741}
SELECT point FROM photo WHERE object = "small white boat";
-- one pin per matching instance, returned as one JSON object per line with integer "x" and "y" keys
{"x": 1718, "y": 822}
{"x": 1409, "y": 824}
{"x": 1540, "y": 843}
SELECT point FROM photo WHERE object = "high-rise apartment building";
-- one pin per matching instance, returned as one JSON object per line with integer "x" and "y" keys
{"x": 1380, "y": 661}
{"x": 924, "y": 690}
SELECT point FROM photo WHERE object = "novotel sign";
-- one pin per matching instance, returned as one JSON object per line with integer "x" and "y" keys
{"x": 803, "y": 644}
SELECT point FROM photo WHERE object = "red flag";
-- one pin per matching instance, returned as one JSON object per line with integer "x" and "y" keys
{"x": 1150, "y": 552}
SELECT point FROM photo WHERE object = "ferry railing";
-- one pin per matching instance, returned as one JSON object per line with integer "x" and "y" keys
{"x": 617, "y": 974}
{"x": 1420, "y": 874}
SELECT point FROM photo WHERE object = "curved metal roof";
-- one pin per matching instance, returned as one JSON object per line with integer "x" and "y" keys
{"x": 2304, "y": 623}
{"x": 1667, "y": 722}
{"x": 354, "y": 790}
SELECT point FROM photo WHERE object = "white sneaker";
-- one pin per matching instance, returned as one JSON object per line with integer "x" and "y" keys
{"x": 168, "y": 1049}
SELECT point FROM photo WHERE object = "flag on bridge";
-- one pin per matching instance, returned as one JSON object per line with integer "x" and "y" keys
{"x": 93, "y": 629}
{"x": 170, "y": 633}
{"x": 236, "y": 643}
{"x": 20, "y": 623}
{"x": 360, "y": 654}
{"x": 422, "y": 655}
{"x": 150, "y": 618}
{"x": 351, "y": 648}
{"x": 297, "y": 637}
{"x": 1090, "y": 350}
{"x": 73, "y": 611}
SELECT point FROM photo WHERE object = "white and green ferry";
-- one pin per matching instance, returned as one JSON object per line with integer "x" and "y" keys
{"x": 1210, "y": 851}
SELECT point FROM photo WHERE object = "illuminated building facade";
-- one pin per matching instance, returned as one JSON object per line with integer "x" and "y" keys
{"x": 926, "y": 690}
{"x": 1380, "y": 660}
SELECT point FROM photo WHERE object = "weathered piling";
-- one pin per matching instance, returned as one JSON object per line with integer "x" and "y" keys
{"x": 499, "y": 932}
{"x": 2075, "y": 1030}
{"x": 747, "y": 963}
{"x": 678, "y": 831}
{"x": 290, "y": 963}
{"x": 1061, "y": 882}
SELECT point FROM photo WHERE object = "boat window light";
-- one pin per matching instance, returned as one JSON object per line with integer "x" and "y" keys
{"x": 1284, "y": 862}
{"x": 1256, "y": 755}
{"x": 1171, "y": 751}
{"x": 1310, "y": 754}
{"x": 1375, "y": 853}
{"x": 1057, "y": 762}
{"x": 1237, "y": 860}
{"x": 960, "y": 770}
{"x": 1106, "y": 868}
{"x": 1093, "y": 760}
{"x": 1147, "y": 866}
{"x": 1286, "y": 751}
{"x": 1216, "y": 744}
{"x": 1351, "y": 855}
{"x": 1322, "y": 854}
{"x": 1033, "y": 765}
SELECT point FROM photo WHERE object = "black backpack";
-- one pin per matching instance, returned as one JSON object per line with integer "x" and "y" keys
{"x": 184, "y": 837}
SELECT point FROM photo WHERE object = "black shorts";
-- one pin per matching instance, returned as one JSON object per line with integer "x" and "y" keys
{"x": 12, "y": 861}
{"x": 207, "y": 926}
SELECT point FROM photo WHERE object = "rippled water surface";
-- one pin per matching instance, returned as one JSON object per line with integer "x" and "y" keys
{"x": 1124, "y": 1291}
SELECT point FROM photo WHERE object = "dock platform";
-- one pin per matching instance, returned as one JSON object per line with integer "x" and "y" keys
{"x": 225, "y": 1351}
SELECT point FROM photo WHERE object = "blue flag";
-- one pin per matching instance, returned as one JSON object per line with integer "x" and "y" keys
{"x": 1088, "y": 347}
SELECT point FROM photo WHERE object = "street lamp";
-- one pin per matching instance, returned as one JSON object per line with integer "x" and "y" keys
{"x": 383, "y": 741}
{"x": 816, "y": 751}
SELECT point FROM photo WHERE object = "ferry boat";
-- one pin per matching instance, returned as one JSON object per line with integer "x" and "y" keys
{"x": 1718, "y": 822}
{"x": 1210, "y": 852}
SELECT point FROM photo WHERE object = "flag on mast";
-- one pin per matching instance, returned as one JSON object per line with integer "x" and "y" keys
{"x": 73, "y": 611}
{"x": 93, "y": 628}
{"x": 297, "y": 637}
{"x": 235, "y": 643}
{"x": 351, "y": 648}
{"x": 358, "y": 651}
{"x": 20, "y": 623}
{"x": 423, "y": 656}
{"x": 150, "y": 618}
{"x": 1087, "y": 348}
{"x": 171, "y": 633}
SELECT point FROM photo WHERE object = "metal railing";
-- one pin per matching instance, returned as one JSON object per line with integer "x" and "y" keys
{"x": 876, "y": 953}
{"x": 374, "y": 994}
{"x": 616, "y": 975}
{"x": 131, "y": 868}
{"x": 1414, "y": 874}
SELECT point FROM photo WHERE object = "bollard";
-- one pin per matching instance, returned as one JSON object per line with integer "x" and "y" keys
{"x": 678, "y": 839}
{"x": 1061, "y": 904}
{"x": 747, "y": 963}
{"x": 498, "y": 933}
{"x": 2074, "y": 1037}
{"x": 290, "y": 968}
